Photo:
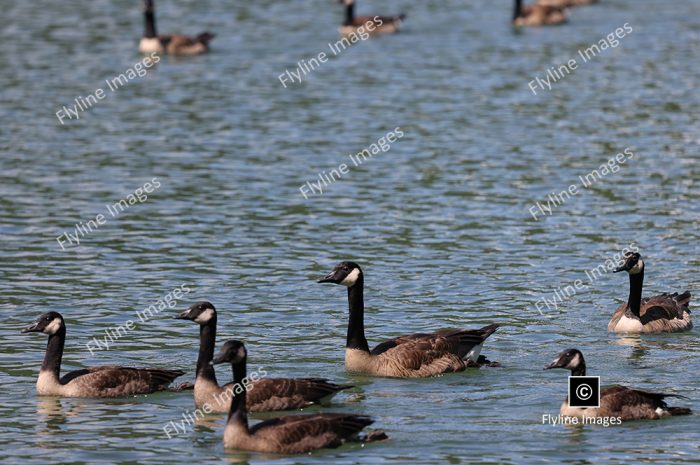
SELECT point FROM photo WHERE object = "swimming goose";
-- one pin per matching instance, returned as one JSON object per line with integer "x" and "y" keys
{"x": 378, "y": 24}
{"x": 104, "y": 381}
{"x": 294, "y": 434}
{"x": 412, "y": 356}
{"x": 665, "y": 313}
{"x": 269, "y": 394}
{"x": 615, "y": 401}
{"x": 566, "y": 3}
{"x": 171, "y": 44}
{"x": 538, "y": 15}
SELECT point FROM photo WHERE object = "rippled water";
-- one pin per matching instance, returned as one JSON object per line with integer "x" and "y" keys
{"x": 440, "y": 222}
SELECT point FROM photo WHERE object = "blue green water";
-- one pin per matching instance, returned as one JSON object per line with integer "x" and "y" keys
{"x": 440, "y": 222}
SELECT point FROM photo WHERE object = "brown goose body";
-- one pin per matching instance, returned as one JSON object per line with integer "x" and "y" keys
{"x": 104, "y": 381}
{"x": 171, "y": 44}
{"x": 620, "y": 402}
{"x": 538, "y": 15}
{"x": 664, "y": 313}
{"x": 627, "y": 404}
{"x": 417, "y": 355}
{"x": 372, "y": 25}
{"x": 420, "y": 355}
{"x": 266, "y": 394}
{"x": 566, "y": 3}
{"x": 296, "y": 434}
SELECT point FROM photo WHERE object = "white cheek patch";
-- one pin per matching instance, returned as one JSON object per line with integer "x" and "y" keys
{"x": 575, "y": 362}
{"x": 205, "y": 316}
{"x": 636, "y": 269}
{"x": 351, "y": 279}
{"x": 54, "y": 326}
{"x": 241, "y": 353}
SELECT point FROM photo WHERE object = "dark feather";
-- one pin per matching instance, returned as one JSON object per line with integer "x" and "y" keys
{"x": 108, "y": 381}
{"x": 271, "y": 394}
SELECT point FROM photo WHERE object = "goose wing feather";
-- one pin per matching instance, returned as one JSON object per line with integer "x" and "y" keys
{"x": 632, "y": 404}
{"x": 270, "y": 394}
{"x": 454, "y": 341}
{"x": 666, "y": 305}
{"x": 302, "y": 433}
{"x": 118, "y": 381}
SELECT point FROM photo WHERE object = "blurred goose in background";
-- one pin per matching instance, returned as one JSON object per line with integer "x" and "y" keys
{"x": 172, "y": 44}
{"x": 294, "y": 434}
{"x": 538, "y": 15}
{"x": 380, "y": 24}
{"x": 566, "y": 3}
{"x": 269, "y": 394}
{"x": 615, "y": 401}
{"x": 104, "y": 381}
{"x": 412, "y": 356}
{"x": 664, "y": 313}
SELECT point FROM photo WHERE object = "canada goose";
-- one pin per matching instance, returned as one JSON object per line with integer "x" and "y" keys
{"x": 538, "y": 15}
{"x": 171, "y": 44}
{"x": 665, "y": 313}
{"x": 411, "y": 356}
{"x": 294, "y": 434}
{"x": 378, "y": 24}
{"x": 105, "y": 381}
{"x": 566, "y": 3}
{"x": 615, "y": 401}
{"x": 269, "y": 393}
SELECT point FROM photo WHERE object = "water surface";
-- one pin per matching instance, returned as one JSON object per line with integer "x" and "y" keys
{"x": 440, "y": 222}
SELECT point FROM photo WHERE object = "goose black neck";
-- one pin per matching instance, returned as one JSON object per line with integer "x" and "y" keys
{"x": 54, "y": 352}
{"x": 634, "y": 302}
{"x": 207, "y": 342}
{"x": 349, "y": 14}
{"x": 237, "y": 414}
{"x": 356, "y": 326}
{"x": 517, "y": 10}
{"x": 149, "y": 17}
{"x": 580, "y": 370}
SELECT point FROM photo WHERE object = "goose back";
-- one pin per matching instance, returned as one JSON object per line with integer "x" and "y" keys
{"x": 627, "y": 404}
{"x": 298, "y": 434}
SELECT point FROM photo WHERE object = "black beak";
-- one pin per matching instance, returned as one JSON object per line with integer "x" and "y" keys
{"x": 183, "y": 316}
{"x": 32, "y": 328}
{"x": 221, "y": 358}
{"x": 329, "y": 278}
{"x": 621, "y": 268}
{"x": 554, "y": 364}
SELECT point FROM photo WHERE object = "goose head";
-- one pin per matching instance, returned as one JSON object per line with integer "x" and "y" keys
{"x": 345, "y": 273}
{"x": 346, "y": 2}
{"x": 233, "y": 351}
{"x": 49, "y": 323}
{"x": 632, "y": 263}
{"x": 201, "y": 313}
{"x": 569, "y": 359}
